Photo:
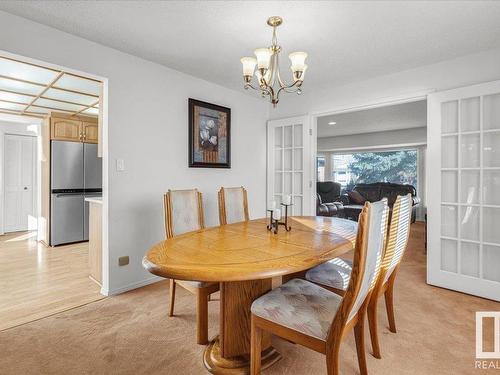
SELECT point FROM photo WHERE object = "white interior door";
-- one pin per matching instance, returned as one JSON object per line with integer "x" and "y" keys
{"x": 19, "y": 183}
{"x": 289, "y": 163}
{"x": 463, "y": 190}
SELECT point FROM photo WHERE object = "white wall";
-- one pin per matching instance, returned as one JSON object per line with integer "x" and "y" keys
{"x": 148, "y": 129}
{"x": 374, "y": 140}
{"x": 7, "y": 126}
{"x": 463, "y": 71}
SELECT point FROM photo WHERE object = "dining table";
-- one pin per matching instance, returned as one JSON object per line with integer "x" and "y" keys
{"x": 245, "y": 258}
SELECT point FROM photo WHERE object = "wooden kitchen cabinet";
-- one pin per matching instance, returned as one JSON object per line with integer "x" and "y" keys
{"x": 65, "y": 130}
{"x": 90, "y": 132}
{"x": 64, "y": 127}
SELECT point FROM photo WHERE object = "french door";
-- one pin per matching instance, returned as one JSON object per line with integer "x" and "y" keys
{"x": 289, "y": 163}
{"x": 463, "y": 190}
{"x": 19, "y": 183}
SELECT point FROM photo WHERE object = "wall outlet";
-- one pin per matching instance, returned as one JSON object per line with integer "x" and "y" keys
{"x": 123, "y": 261}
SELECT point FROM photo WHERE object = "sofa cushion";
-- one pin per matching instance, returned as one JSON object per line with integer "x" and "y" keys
{"x": 356, "y": 197}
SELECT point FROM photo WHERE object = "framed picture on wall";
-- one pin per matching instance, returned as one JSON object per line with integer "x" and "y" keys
{"x": 209, "y": 135}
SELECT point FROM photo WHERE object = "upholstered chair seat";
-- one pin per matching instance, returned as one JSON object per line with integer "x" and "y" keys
{"x": 335, "y": 273}
{"x": 301, "y": 306}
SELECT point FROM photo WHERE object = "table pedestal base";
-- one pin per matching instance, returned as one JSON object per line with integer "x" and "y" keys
{"x": 235, "y": 365}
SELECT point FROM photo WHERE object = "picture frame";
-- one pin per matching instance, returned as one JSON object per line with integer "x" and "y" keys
{"x": 209, "y": 135}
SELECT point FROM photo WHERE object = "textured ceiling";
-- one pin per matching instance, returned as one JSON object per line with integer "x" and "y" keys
{"x": 393, "y": 117}
{"x": 346, "y": 41}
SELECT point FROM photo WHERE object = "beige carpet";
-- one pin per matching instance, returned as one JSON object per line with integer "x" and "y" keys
{"x": 131, "y": 334}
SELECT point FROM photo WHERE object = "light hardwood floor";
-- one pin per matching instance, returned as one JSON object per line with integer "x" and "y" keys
{"x": 37, "y": 281}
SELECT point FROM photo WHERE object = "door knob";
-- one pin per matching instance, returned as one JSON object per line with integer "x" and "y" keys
{"x": 25, "y": 188}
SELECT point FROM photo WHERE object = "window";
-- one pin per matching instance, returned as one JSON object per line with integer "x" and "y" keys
{"x": 398, "y": 167}
{"x": 320, "y": 168}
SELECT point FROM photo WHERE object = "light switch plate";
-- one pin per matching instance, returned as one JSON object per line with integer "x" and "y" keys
{"x": 120, "y": 165}
{"x": 123, "y": 261}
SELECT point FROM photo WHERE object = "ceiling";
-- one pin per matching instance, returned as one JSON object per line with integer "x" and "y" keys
{"x": 33, "y": 90}
{"x": 346, "y": 41}
{"x": 393, "y": 117}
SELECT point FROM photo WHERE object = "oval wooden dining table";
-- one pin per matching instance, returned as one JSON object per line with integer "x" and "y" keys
{"x": 244, "y": 258}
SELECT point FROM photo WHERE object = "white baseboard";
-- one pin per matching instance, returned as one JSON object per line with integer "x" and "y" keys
{"x": 131, "y": 286}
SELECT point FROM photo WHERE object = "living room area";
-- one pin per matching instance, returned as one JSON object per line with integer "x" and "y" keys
{"x": 368, "y": 154}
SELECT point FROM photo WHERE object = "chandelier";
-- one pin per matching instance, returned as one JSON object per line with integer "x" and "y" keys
{"x": 268, "y": 70}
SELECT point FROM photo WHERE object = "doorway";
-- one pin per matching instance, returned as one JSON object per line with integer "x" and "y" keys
{"x": 19, "y": 183}
{"x": 43, "y": 109}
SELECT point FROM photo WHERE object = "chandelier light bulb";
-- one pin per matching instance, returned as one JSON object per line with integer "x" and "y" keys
{"x": 298, "y": 75}
{"x": 248, "y": 65}
{"x": 263, "y": 57}
{"x": 298, "y": 60}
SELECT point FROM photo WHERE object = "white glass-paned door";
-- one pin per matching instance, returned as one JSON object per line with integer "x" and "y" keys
{"x": 289, "y": 168}
{"x": 463, "y": 190}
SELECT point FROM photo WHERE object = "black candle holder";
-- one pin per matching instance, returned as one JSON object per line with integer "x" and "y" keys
{"x": 274, "y": 224}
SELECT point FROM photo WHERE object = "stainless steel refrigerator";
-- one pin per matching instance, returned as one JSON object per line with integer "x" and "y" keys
{"x": 75, "y": 173}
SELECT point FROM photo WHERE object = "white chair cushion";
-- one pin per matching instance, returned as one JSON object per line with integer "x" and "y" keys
{"x": 234, "y": 205}
{"x": 335, "y": 273}
{"x": 301, "y": 306}
{"x": 185, "y": 211}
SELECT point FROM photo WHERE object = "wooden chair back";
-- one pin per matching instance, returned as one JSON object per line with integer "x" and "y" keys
{"x": 233, "y": 205}
{"x": 397, "y": 240}
{"x": 183, "y": 211}
{"x": 370, "y": 242}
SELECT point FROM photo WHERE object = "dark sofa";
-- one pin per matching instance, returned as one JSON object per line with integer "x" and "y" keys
{"x": 375, "y": 192}
{"x": 328, "y": 199}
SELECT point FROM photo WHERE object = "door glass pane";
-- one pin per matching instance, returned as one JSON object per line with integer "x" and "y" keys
{"x": 278, "y": 165}
{"x": 297, "y": 206}
{"x": 449, "y": 255}
{"x": 470, "y": 187}
{"x": 491, "y": 187}
{"x": 287, "y": 183}
{"x": 449, "y": 216}
{"x": 491, "y": 111}
{"x": 278, "y": 136}
{"x": 287, "y": 160}
{"x": 297, "y": 135}
{"x": 449, "y": 117}
{"x": 288, "y": 136}
{"x": 491, "y": 231}
{"x": 491, "y": 260}
{"x": 469, "y": 114}
{"x": 278, "y": 177}
{"x": 469, "y": 223}
{"x": 297, "y": 156}
{"x": 297, "y": 183}
{"x": 449, "y": 186}
{"x": 449, "y": 152}
{"x": 491, "y": 150}
{"x": 469, "y": 150}
{"x": 469, "y": 259}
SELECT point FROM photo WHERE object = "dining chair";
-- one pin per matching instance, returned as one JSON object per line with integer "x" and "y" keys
{"x": 233, "y": 205}
{"x": 184, "y": 213}
{"x": 310, "y": 315}
{"x": 335, "y": 274}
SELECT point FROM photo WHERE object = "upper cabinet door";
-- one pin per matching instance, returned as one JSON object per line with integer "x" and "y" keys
{"x": 65, "y": 130}
{"x": 90, "y": 132}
